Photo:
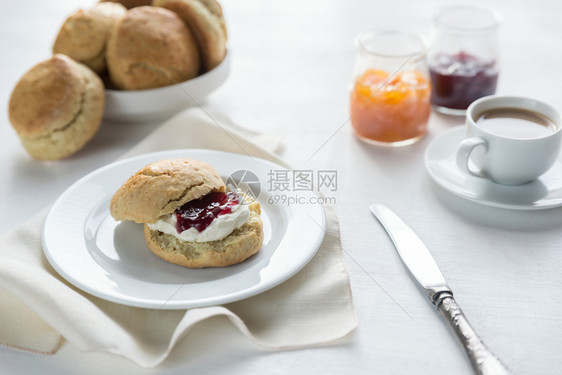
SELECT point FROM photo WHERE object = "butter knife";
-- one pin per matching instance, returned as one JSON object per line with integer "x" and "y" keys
{"x": 422, "y": 266}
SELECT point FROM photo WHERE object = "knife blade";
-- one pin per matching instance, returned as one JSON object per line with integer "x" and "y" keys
{"x": 420, "y": 263}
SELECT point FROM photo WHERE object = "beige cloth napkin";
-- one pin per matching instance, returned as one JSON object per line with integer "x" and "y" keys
{"x": 38, "y": 307}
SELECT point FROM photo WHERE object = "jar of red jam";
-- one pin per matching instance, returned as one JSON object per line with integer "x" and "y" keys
{"x": 463, "y": 58}
{"x": 390, "y": 90}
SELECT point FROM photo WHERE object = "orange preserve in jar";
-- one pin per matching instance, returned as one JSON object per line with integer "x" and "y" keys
{"x": 390, "y": 109}
{"x": 390, "y": 95}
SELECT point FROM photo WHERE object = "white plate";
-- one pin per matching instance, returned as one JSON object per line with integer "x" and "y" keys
{"x": 110, "y": 259}
{"x": 545, "y": 192}
{"x": 122, "y": 105}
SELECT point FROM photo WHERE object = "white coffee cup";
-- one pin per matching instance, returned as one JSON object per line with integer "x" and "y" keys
{"x": 505, "y": 158}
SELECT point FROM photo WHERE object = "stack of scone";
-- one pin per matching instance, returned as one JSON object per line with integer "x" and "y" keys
{"x": 189, "y": 218}
{"x": 146, "y": 46}
{"x": 57, "y": 106}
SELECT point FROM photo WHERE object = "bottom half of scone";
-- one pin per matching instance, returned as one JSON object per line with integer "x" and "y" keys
{"x": 234, "y": 248}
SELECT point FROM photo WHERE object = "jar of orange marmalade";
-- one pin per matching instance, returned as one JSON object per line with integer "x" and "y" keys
{"x": 390, "y": 99}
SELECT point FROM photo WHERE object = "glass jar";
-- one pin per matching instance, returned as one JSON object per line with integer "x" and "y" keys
{"x": 463, "y": 58}
{"x": 390, "y": 91}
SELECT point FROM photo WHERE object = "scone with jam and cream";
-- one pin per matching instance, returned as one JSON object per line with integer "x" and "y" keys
{"x": 189, "y": 218}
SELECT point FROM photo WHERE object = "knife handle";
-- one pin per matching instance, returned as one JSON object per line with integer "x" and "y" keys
{"x": 482, "y": 359}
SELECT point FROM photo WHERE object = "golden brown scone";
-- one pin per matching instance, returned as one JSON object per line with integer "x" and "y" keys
{"x": 161, "y": 187}
{"x": 129, "y": 3}
{"x": 234, "y": 248}
{"x": 84, "y": 34}
{"x": 151, "y": 47}
{"x": 206, "y": 21}
{"x": 56, "y": 107}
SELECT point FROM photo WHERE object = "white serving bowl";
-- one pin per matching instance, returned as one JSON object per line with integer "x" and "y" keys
{"x": 151, "y": 104}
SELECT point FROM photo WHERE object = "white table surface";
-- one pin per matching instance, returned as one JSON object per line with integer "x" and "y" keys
{"x": 291, "y": 65}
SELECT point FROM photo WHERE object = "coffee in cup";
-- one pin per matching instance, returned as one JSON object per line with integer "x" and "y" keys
{"x": 516, "y": 123}
{"x": 510, "y": 140}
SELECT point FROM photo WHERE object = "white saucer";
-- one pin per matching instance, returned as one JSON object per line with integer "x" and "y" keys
{"x": 545, "y": 192}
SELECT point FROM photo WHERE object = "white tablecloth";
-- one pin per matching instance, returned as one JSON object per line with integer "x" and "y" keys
{"x": 291, "y": 65}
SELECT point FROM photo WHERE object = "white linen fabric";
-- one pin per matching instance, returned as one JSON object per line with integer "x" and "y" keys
{"x": 38, "y": 308}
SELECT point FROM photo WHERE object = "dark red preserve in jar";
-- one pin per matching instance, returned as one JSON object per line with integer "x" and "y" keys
{"x": 460, "y": 79}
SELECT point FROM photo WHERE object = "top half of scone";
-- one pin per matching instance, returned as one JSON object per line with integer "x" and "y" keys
{"x": 181, "y": 194}
{"x": 159, "y": 188}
